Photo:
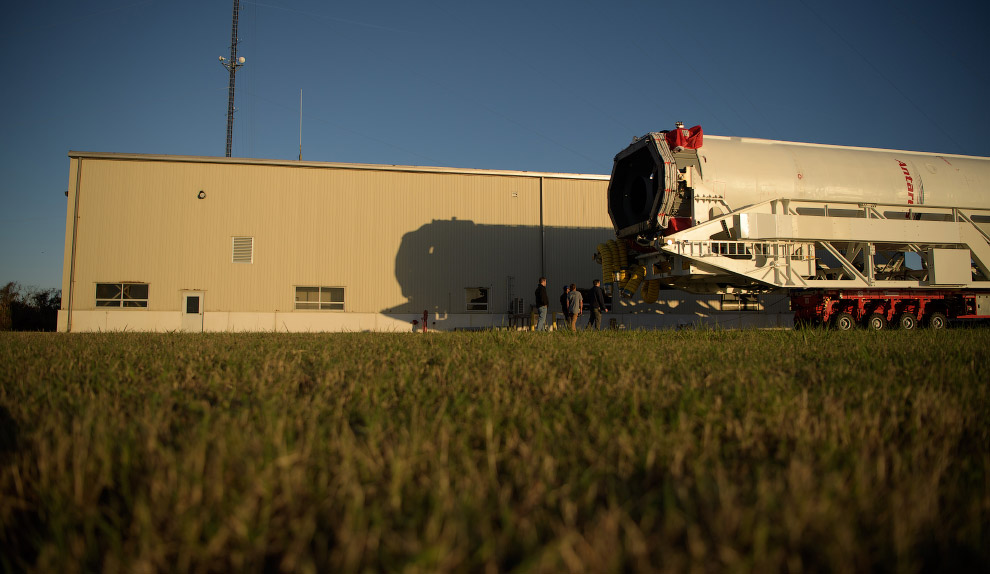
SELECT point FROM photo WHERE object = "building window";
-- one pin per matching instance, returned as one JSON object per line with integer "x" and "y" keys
{"x": 324, "y": 298}
{"x": 243, "y": 250}
{"x": 476, "y": 298}
{"x": 121, "y": 294}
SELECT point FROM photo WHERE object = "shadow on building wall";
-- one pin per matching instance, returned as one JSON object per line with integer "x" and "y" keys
{"x": 447, "y": 266}
{"x": 442, "y": 265}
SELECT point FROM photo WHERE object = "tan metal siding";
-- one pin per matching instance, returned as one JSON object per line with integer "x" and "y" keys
{"x": 70, "y": 213}
{"x": 576, "y": 219}
{"x": 459, "y": 231}
{"x": 576, "y": 203}
{"x": 398, "y": 241}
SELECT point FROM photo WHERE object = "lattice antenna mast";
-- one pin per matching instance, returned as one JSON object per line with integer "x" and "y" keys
{"x": 232, "y": 66}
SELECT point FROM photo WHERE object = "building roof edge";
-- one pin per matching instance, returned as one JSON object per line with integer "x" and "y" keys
{"x": 325, "y": 165}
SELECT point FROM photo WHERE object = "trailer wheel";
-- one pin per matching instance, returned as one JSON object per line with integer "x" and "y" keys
{"x": 876, "y": 322}
{"x": 937, "y": 321}
{"x": 907, "y": 322}
{"x": 844, "y": 322}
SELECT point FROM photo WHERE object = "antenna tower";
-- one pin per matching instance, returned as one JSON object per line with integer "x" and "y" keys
{"x": 232, "y": 66}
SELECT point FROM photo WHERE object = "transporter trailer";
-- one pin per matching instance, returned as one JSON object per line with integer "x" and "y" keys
{"x": 855, "y": 236}
{"x": 905, "y": 309}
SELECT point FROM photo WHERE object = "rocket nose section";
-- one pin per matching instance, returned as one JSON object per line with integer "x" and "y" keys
{"x": 635, "y": 188}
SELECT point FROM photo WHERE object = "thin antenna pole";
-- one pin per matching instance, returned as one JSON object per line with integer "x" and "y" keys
{"x": 232, "y": 66}
{"x": 300, "y": 124}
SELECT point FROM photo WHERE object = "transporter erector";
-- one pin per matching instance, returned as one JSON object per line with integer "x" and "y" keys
{"x": 865, "y": 236}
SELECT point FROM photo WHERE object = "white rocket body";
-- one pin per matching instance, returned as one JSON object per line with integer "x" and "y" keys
{"x": 747, "y": 171}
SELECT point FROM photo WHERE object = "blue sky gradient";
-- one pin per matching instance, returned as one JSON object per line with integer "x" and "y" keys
{"x": 541, "y": 86}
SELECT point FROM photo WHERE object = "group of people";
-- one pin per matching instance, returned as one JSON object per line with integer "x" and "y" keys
{"x": 571, "y": 303}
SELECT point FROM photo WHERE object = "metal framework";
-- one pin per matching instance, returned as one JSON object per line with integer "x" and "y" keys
{"x": 804, "y": 244}
{"x": 232, "y": 66}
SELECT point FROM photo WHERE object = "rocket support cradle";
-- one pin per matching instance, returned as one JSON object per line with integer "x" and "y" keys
{"x": 742, "y": 215}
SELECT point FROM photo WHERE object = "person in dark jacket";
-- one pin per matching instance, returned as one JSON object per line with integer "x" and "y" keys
{"x": 542, "y": 304}
{"x": 597, "y": 305}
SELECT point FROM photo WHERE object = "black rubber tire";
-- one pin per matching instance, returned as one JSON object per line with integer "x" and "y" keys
{"x": 907, "y": 322}
{"x": 876, "y": 322}
{"x": 844, "y": 322}
{"x": 937, "y": 321}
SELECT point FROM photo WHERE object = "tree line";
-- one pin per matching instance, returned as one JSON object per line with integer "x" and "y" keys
{"x": 28, "y": 309}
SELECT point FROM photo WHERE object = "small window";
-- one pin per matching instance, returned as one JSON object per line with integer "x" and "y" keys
{"x": 322, "y": 298}
{"x": 192, "y": 304}
{"x": 243, "y": 250}
{"x": 476, "y": 298}
{"x": 122, "y": 295}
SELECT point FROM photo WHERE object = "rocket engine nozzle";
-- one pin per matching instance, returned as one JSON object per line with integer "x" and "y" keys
{"x": 645, "y": 192}
{"x": 636, "y": 188}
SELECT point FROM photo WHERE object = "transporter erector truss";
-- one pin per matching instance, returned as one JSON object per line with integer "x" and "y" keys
{"x": 854, "y": 235}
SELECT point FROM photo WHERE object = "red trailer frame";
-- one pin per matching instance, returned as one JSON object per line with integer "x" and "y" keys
{"x": 882, "y": 309}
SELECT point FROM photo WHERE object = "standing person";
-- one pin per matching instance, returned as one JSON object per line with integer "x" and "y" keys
{"x": 542, "y": 304}
{"x": 574, "y": 303}
{"x": 564, "y": 305}
{"x": 597, "y": 305}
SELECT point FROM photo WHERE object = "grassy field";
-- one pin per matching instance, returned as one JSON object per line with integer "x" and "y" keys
{"x": 687, "y": 451}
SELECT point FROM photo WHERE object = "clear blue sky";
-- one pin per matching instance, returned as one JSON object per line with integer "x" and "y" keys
{"x": 522, "y": 85}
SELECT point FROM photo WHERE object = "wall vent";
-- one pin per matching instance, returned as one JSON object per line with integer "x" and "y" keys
{"x": 243, "y": 250}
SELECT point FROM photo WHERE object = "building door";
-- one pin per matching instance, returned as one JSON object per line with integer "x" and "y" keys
{"x": 192, "y": 311}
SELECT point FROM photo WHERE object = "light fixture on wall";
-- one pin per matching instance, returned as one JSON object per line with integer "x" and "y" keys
{"x": 201, "y": 194}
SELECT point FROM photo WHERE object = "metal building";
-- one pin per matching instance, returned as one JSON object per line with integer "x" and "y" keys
{"x": 225, "y": 244}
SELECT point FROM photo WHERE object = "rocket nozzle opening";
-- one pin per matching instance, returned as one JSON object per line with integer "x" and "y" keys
{"x": 635, "y": 188}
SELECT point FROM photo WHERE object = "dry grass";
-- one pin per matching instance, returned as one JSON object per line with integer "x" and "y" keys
{"x": 696, "y": 451}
